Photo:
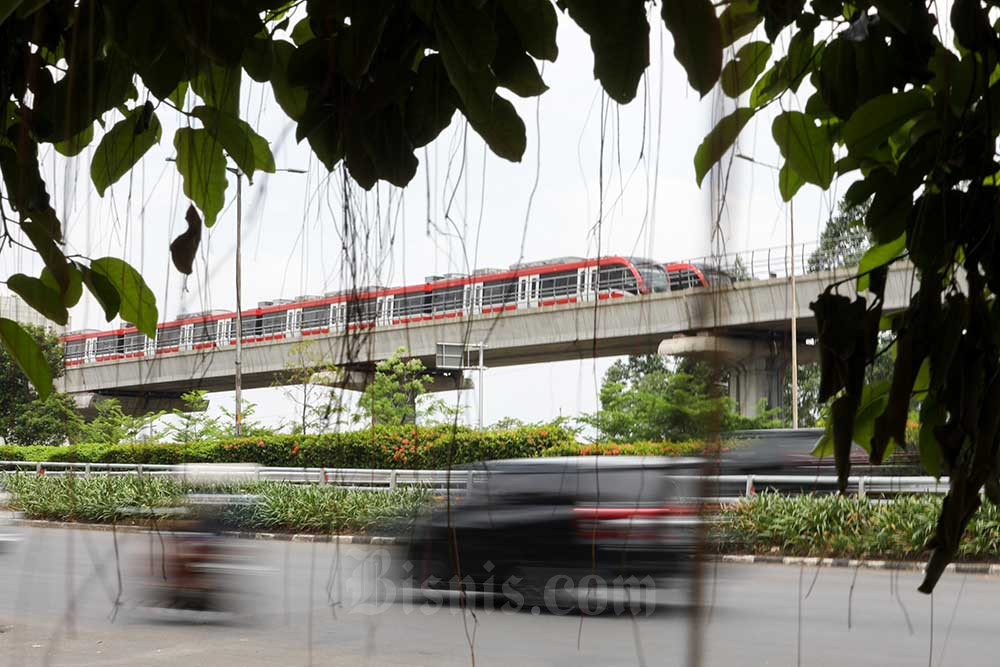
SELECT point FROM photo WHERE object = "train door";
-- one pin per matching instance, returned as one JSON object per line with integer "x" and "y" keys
{"x": 383, "y": 309}
{"x": 151, "y": 345}
{"x": 90, "y": 349}
{"x": 293, "y": 321}
{"x": 223, "y": 332}
{"x": 472, "y": 299}
{"x": 187, "y": 336}
{"x": 527, "y": 291}
{"x": 586, "y": 282}
{"x": 338, "y": 316}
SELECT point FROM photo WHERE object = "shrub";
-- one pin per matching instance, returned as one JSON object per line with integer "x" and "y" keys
{"x": 409, "y": 447}
{"x": 851, "y": 527}
{"x": 280, "y": 506}
{"x": 685, "y": 448}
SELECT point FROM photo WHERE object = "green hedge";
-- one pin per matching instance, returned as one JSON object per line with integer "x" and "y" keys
{"x": 685, "y": 448}
{"x": 850, "y": 527}
{"x": 381, "y": 447}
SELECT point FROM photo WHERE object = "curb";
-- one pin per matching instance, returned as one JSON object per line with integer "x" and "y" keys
{"x": 802, "y": 561}
{"x": 813, "y": 561}
{"x": 239, "y": 534}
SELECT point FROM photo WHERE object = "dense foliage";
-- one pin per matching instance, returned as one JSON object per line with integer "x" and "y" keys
{"x": 24, "y": 417}
{"x": 851, "y": 527}
{"x": 411, "y": 447}
{"x": 650, "y": 398}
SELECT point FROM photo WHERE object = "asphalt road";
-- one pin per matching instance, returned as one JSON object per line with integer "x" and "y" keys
{"x": 312, "y": 605}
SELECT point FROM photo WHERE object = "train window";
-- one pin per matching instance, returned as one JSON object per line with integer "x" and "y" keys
{"x": 168, "y": 337}
{"x": 272, "y": 323}
{"x": 203, "y": 332}
{"x": 314, "y": 317}
{"x": 447, "y": 300}
{"x": 684, "y": 278}
{"x": 74, "y": 349}
{"x": 134, "y": 341}
{"x": 409, "y": 305}
{"x": 107, "y": 345}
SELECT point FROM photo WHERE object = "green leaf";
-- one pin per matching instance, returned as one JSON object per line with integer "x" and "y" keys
{"x": 202, "y": 165}
{"x": 697, "y": 40}
{"x": 122, "y": 147}
{"x": 824, "y": 447}
{"x": 258, "y": 59}
{"x": 470, "y": 32}
{"x": 773, "y": 83}
{"x": 718, "y": 141}
{"x": 738, "y": 20}
{"x": 8, "y": 7}
{"x": 806, "y": 147}
{"x": 431, "y": 103}
{"x": 789, "y": 182}
{"x": 52, "y": 255}
{"x": 358, "y": 42}
{"x": 874, "y": 399}
{"x": 291, "y": 99}
{"x": 513, "y": 68}
{"x": 102, "y": 290}
{"x": 179, "y": 94}
{"x": 247, "y": 148}
{"x": 619, "y": 40}
{"x": 75, "y": 145}
{"x": 219, "y": 87}
{"x": 878, "y": 255}
{"x": 932, "y": 414}
{"x": 922, "y": 384}
{"x": 896, "y": 12}
{"x": 875, "y": 120}
{"x": 535, "y": 22}
{"x": 138, "y": 305}
{"x": 39, "y": 296}
{"x": 493, "y": 117}
{"x": 778, "y": 14}
{"x": 302, "y": 32}
{"x": 742, "y": 71}
{"x": 73, "y": 291}
{"x": 25, "y": 351}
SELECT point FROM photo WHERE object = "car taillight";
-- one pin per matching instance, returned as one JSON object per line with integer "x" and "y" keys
{"x": 631, "y": 523}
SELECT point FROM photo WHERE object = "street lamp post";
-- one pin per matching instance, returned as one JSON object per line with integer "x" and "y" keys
{"x": 238, "y": 363}
{"x": 794, "y": 299}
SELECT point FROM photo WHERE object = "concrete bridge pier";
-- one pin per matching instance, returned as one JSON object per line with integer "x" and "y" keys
{"x": 756, "y": 368}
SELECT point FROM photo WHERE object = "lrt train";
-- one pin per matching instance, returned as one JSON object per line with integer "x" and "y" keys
{"x": 524, "y": 285}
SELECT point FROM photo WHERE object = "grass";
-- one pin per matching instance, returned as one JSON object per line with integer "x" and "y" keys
{"x": 850, "y": 527}
{"x": 280, "y": 506}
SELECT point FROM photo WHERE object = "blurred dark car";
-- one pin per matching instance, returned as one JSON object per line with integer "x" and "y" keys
{"x": 534, "y": 523}
{"x": 773, "y": 450}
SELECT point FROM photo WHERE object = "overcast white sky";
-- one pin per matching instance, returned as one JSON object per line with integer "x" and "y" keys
{"x": 652, "y": 207}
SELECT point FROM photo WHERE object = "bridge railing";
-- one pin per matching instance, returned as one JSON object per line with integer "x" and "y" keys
{"x": 725, "y": 486}
{"x": 776, "y": 262}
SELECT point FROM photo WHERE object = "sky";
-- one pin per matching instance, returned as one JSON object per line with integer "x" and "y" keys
{"x": 465, "y": 209}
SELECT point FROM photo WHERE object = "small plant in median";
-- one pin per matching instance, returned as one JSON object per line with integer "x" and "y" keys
{"x": 277, "y": 506}
{"x": 850, "y": 527}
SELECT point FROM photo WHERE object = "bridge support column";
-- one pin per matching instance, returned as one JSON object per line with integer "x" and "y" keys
{"x": 756, "y": 368}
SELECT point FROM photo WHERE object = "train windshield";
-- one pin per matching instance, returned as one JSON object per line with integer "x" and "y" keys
{"x": 655, "y": 277}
